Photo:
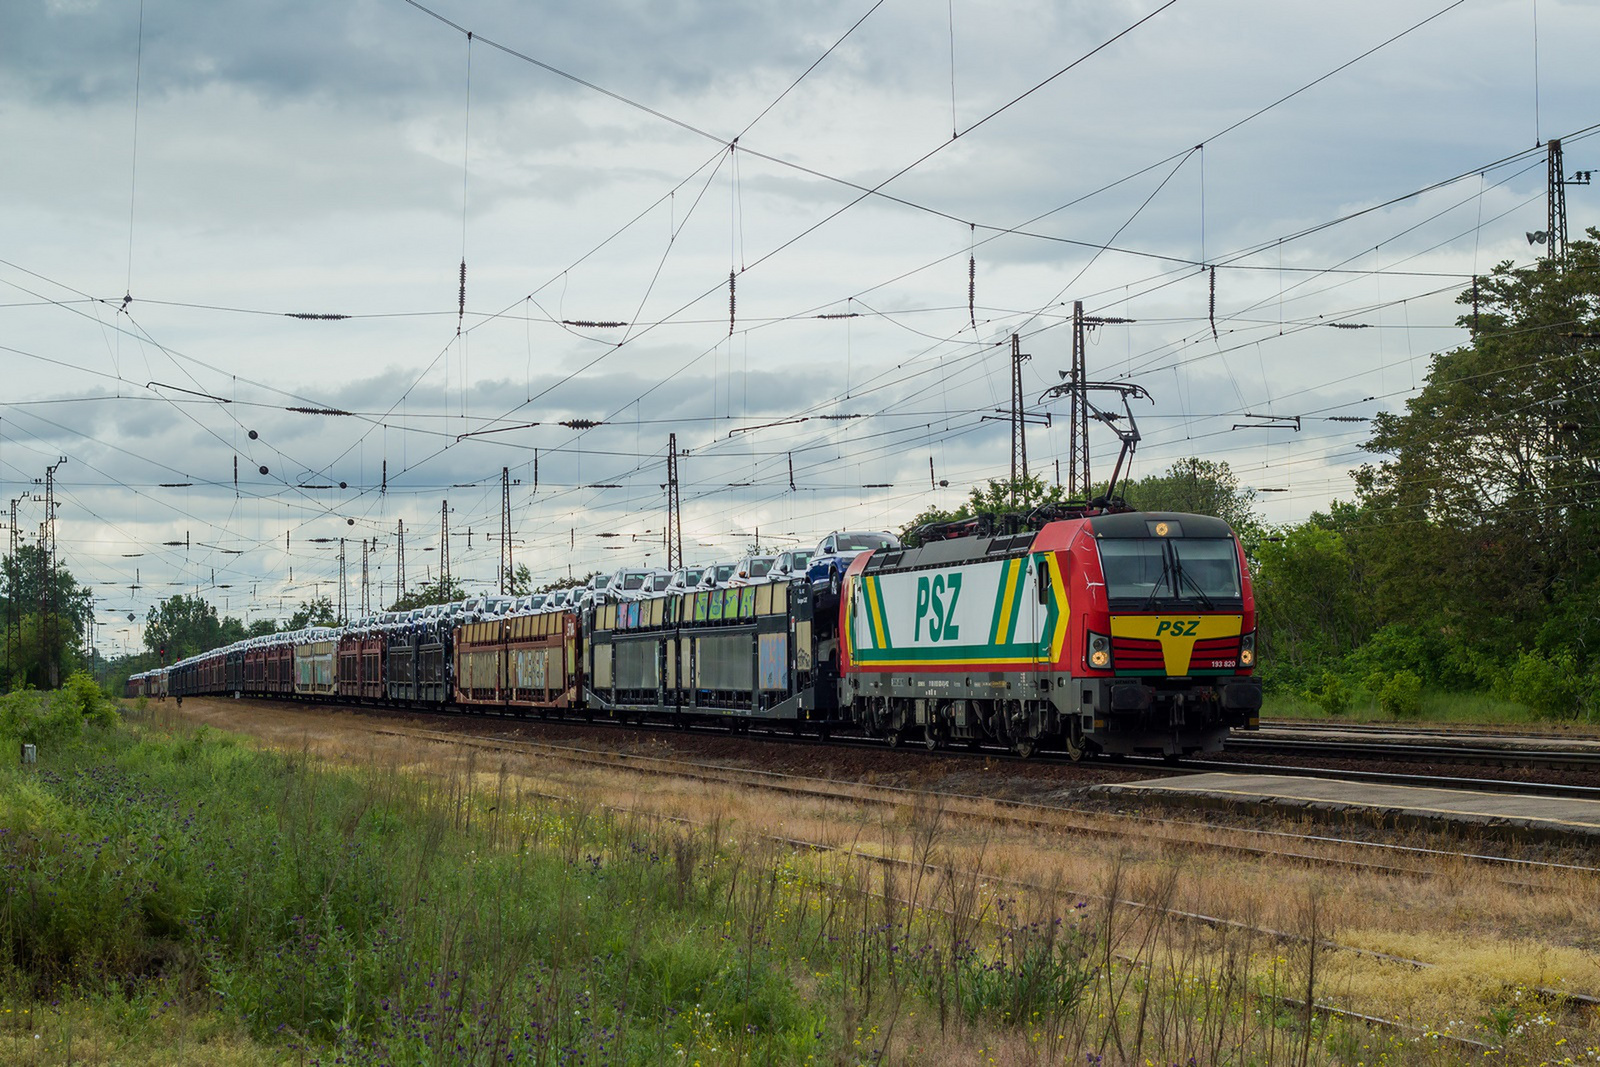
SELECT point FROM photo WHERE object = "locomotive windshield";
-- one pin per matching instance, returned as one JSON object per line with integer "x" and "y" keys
{"x": 1161, "y": 570}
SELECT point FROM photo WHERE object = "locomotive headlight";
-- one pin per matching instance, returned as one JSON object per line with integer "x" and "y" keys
{"x": 1247, "y": 650}
{"x": 1099, "y": 651}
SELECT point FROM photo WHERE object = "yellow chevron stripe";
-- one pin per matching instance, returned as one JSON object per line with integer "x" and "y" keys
{"x": 1013, "y": 568}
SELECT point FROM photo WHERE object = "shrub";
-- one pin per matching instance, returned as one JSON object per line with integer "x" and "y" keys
{"x": 1550, "y": 685}
{"x": 1333, "y": 695}
{"x": 1395, "y": 647}
{"x": 30, "y": 717}
{"x": 1373, "y": 685}
{"x": 1463, "y": 668}
{"x": 55, "y": 720}
{"x": 1573, "y": 626}
{"x": 84, "y": 695}
{"x": 1401, "y": 696}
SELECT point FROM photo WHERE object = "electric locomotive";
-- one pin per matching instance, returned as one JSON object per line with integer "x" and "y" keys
{"x": 1107, "y": 630}
{"x": 1086, "y": 629}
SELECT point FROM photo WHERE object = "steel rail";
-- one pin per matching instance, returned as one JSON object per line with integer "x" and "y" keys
{"x": 1494, "y": 756}
{"x": 1171, "y": 833}
{"x": 630, "y": 762}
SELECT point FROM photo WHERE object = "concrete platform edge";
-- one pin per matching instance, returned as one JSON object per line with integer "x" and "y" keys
{"x": 1371, "y": 815}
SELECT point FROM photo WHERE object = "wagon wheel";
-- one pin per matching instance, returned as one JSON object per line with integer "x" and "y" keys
{"x": 1074, "y": 741}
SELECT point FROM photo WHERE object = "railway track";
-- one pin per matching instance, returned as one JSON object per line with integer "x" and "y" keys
{"x": 1183, "y": 835}
{"x": 1378, "y": 858}
{"x": 1434, "y": 781}
{"x": 1316, "y": 1007}
{"x": 1154, "y": 765}
{"x": 1309, "y": 748}
{"x": 1039, "y": 817}
{"x": 1399, "y": 751}
{"x": 1518, "y": 733}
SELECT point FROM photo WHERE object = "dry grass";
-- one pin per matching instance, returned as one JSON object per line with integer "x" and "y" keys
{"x": 1490, "y": 943}
{"x": 115, "y": 1032}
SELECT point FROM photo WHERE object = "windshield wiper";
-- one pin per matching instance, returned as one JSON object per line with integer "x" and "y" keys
{"x": 1166, "y": 571}
{"x": 1184, "y": 577}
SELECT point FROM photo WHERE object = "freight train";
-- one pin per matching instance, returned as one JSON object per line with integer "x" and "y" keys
{"x": 1091, "y": 630}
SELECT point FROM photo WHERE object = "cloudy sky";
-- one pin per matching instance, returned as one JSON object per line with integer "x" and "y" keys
{"x": 184, "y": 183}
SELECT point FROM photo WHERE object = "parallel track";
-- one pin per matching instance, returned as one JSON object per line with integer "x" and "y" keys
{"x": 1525, "y": 734}
{"x": 1030, "y": 816}
{"x": 1431, "y": 781}
{"x": 1475, "y": 755}
{"x": 1181, "y": 834}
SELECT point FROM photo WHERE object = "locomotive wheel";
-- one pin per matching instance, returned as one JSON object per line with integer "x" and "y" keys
{"x": 1074, "y": 743}
{"x": 894, "y": 737}
{"x": 930, "y": 737}
{"x": 1024, "y": 747}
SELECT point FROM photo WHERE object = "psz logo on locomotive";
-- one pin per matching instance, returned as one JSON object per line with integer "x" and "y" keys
{"x": 930, "y": 596}
{"x": 991, "y": 612}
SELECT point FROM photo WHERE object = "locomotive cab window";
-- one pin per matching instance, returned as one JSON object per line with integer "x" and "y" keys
{"x": 1198, "y": 570}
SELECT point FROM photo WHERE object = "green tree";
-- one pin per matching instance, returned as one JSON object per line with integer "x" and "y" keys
{"x": 566, "y": 583}
{"x": 521, "y": 580}
{"x": 37, "y": 646}
{"x": 261, "y": 628}
{"x": 318, "y": 612}
{"x": 1199, "y": 487}
{"x": 999, "y": 496}
{"x": 1482, "y": 513}
{"x": 184, "y": 626}
{"x": 1310, "y": 608}
{"x": 439, "y": 592}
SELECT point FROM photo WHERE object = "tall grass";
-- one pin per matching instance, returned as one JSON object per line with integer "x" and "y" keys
{"x": 446, "y": 915}
{"x": 1436, "y": 706}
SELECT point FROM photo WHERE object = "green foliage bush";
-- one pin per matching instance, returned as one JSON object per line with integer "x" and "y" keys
{"x": 84, "y": 695}
{"x": 1551, "y": 685}
{"x": 1395, "y": 647}
{"x": 55, "y": 720}
{"x": 1332, "y": 694}
{"x": 1401, "y": 695}
{"x": 1573, "y": 627}
{"x": 1463, "y": 668}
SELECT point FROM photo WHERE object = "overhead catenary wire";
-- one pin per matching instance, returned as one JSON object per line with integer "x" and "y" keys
{"x": 970, "y": 316}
